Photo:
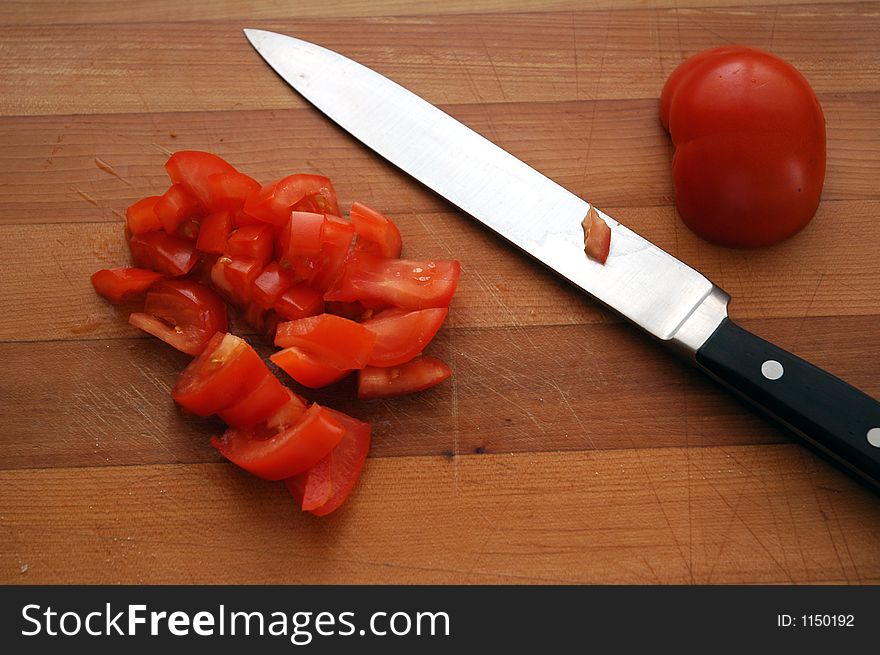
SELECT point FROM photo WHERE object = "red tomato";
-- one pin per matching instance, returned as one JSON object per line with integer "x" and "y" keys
{"x": 257, "y": 406}
{"x": 240, "y": 275}
{"x": 120, "y": 284}
{"x": 191, "y": 169}
{"x": 337, "y": 342}
{"x": 163, "y": 252}
{"x": 183, "y": 313}
{"x": 325, "y": 486}
{"x": 141, "y": 216}
{"x": 749, "y": 139}
{"x": 598, "y": 240}
{"x": 174, "y": 207}
{"x": 274, "y": 202}
{"x": 270, "y": 284}
{"x": 401, "y": 335}
{"x": 337, "y": 240}
{"x": 416, "y": 375}
{"x": 299, "y": 301}
{"x": 222, "y": 375}
{"x": 397, "y": 282}
{"x": 376, "y": 233}
{"x": 229, "y": 190}
{"x": 214, "y": 232}
{"x": 288, "y": 451}
{"x": 307, "y": 369}
{"x": 254, "y": 242}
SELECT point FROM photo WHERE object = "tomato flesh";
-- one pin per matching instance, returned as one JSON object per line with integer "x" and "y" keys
{"x": 376, "y": 233}
{"x": 307, "y": 369}
{"x": 598, "y": 240}
{"x": 164, "y": 253}
{"x": 141, "y": 216}
{"x": 274, "y": 202}
{"x": 214, "y": 232}
{"x": 299, "y": 301}
{"x": 415, "y": 375}
{"x": 192, "y": 170}
{"x": 336, "y": 341}
{"x": 121, "y": 284}
{"x": 174, "y": 207}
{"x": 401, "y": 335}
{"x": 254, "y": 242}
{"x": 270, "y": 284}
{"x": 228, "y": 191}
{"x": 258, "y": 405}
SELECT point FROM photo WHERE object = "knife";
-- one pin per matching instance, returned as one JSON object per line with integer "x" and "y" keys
{"x": 661, "y": 294}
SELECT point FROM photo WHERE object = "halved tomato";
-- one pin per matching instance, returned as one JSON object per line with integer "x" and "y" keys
{"x": 121, "y": 284}
{"x": 336, "y": 341}
{"x": 299, "y": 301}
{"x": 325, "y": 486}
{"x": 376, "y": 233}
{"x": 163, "y": 252}
{"x": 183, "y": 313}
{"x": 257, "y": 406}
{"x": 214, "y": 232}
{"x": 254, "y": 242}
{"x": 227, "y": 369}
{"x": 279, "y": 453}
{"x": 401, "y": 335}
{"x": 174, "y": 207}
{"x": 192, "y": 168}
{"x": 274, "y": 202}
{"x": 307, "y": 369}
{"x": 141, "y": 216}
{"x": 416, "y": 375}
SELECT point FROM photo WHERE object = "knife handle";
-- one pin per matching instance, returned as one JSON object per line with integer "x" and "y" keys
{"x": 832, "y": 415}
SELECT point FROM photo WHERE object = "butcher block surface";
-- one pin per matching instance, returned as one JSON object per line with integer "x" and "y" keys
{"x": 568, "y": 447}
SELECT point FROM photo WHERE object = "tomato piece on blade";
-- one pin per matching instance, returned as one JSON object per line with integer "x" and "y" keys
{"x": 214, "y": 232}
{"x": 183, "y": 314}
{"x": 336, "y": 341}
{"x": 174, "y": 207}
{"x": 258, "y": 405}
{"x": 163, "y": 252}
{"x": 222, "y": 375}
{"x": 141, "y": 216}
{"x": 228, "y": 191}
{"x": 376, "y": 233}
{"x": 192, "y": 168}
{"x": 299, "y": 301}
{"x": 287, "y": 452}
{"x": 121, "y": 284}
{"x": 401, "y": 335}
{"x": 324, "y": 487}
{"x": 254, "y": 242}
{"x": 307, "y": 369}
{"x": 416, "y": 375}
{"x": 274, "y": 202}
{"x": 597, "y": 239}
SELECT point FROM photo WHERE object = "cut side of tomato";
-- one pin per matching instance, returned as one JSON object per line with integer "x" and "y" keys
{"x": 174, "y": 207}
{"x": 254, "y": 242}
{"x": 337, "y": 240}
{"x": 273, "y": 203}
{"x": 214, "y": 232}
{"x": 336, "y": 341}
{"x": 121, "y": 284}
{"x": 287, "y": 452}
{"x": 192, "y": 169}
{"x": 307, "y": 369}
{"x": 416, "y": 375}
{"x": 241, "y": 274}
{"x": 401, "y": 335}
{"x": 258, "y": 405}
{"x": 376, "y": 233}
{"x": 227, "y": 370}
{"x": 228, "y": 191}
{"x": 597, "y": 240}
{"x": 164, "y": 253}
{"x": 324, "y": 487}
{"x": 299, "y": 301}
{"x": 141, "y": 216}
{"x": 270, "y": 284}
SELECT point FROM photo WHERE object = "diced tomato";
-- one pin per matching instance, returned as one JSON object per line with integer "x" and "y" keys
{"x": 240, "y": 274}
{"x": 174, "y": 207}
{"x": 141, "y": 216}
{"x": 264, "y": 321}
{"x": 274, "y": 202}
{"x": 257, "y": 406}
{"x": 401, "y": 335}
{"x": 305, "y": 233}
{"x": 398, "y": 282}
{"x": 221, "y": 376}
{"x": 189, "y": 229}
{"x": 337, "y": 240}
{"x": 214, "y": 232}
{"x": 192, "y": 168}
{"x": 270, "y": 284}
{"x": 376, "y": 233}
{"x": 597, "y": 242}
{"x": 416, "y": 375}
{"x": 299, "y": 301}
{"x": 163, "y": 252}
{"x": 287, "y": 452}
{"x": 229, "y": 190}
{"x": 219, "y": 280}
{"x": 254, "y": 242}
{"x": 324, "y": 487}
{"x": 183, "y": 314}
{"x": 121, "y": 284}
{"x": 336, "y": 341}
{"x": 354, "y": 310}
{"x": 307, "y": 369}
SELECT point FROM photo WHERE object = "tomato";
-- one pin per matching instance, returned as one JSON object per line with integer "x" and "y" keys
{"x": 336, "y": 341}
{"x": 240, "y": 276}
{"x": 376, "y": 233}
{"x": 749, "y": 138}
{"x": 285, "y": 452}
{"x": 307, "y": 369}
{"x": 229, "y": 190}
{"x": 257, "y": 406}
{"x": 141, "y": 216}
{"x": 398, "y": 282}
{"x": 597, "y": 242}
{"x": 226, "y": 370}
{"x": 214, "y": 232}
{"x": 416, "y": 375}
{"x": 175, "y": 206}
{"x": 299, "y": 301}
{"x": 121, "y": 284}
{"x": 274, "y": 202}
{"x": 324, "y": 487}
{"x": 401, "y": 335}
{"x": 163, "y": 252}
{"x": 255, "y": 242}
{"x": 337, "y": 240}
{"x": 305, "y": 232}
{"x": 183, "y": 313}
{"x": 192, "y": 169}
{"x": 270, "y": 284}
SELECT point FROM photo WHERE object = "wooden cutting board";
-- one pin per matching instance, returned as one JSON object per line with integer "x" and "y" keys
{"x": 567, "y": 447}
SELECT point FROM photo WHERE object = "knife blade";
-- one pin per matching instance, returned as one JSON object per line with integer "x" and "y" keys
{"x": 646, "y": 285}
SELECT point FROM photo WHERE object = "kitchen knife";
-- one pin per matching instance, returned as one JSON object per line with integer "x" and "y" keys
{"x": 662, "y": 295}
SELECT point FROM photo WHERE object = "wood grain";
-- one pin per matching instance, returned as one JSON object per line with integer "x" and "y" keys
{"x": 605, "y": 54}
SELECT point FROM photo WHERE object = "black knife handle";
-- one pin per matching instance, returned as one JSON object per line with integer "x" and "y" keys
{"x": 834, "y": 416}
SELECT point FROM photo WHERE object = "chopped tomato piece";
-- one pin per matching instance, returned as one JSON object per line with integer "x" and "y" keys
{"x": 174, "y": 207}
{"x": 254, "y": 242}
{"x": 401, "y": 335}
{"x": 183, "y": 313}
{"x": 337, "y": 240}
{"x": 241, "y": 273}
{"x": 288, "y": 451}
{"x": 270, "y": 284}
{"x": 214, "y": 232}
{"x": 398, "y": 282}
{"x": 324, "y": 487}
{"x": 376, "y": 233}
{"x": 227, "y": 369}
{"x": 189, "y": 229}
{"x": 354, "y": 310}
{"x": 416, "y": 375}
{"x": 305, "y": 234}
{"x": 274, "y": 202}
{"x": 299, "y": 301}
{"x": 229, "y": 190}
{"x": 163, "y": 252}
{"x": 257, "y": 406}
{"x": 120, "y": 284}
{"x": 141, "y": 216}
{"x": 192, "y": 168}
{"x": 336, "y": 341}
{"x": 307, "y": 369}
{"x": 597, "y": 241}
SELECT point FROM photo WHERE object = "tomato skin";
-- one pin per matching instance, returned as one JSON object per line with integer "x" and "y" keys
{"x": 174, "y": 207}
{"x": 307, "y": 369}
{"x": 255, "y": 242}
{"x": 164, "y": 253}
{"x": 401, "y": 335}
{"x": 305, "y": 231}
{"x": 192, "y": 168}
{"x": 376, "y": 233}
{"x": 141, "y": 216}
{"x": 258, "y": 405}
{"x": 415, "y": 375}
{"x": 274, "y": 202}
{"x": 121, "y": 284}
{"x": 749, "y": 137}
{"x": 214, "y": 232}
{"x": 286, "y": 453}
{"x": 337, "y": 342}
{"x": 299, "y": 301}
